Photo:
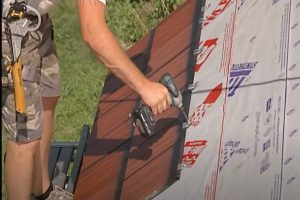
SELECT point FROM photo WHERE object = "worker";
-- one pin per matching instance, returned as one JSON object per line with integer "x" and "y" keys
{"x": 27, "y": 147}
{"x": 28, "y": 144}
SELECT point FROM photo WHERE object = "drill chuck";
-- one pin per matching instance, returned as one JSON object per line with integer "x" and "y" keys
{"x": 175, "y": 94}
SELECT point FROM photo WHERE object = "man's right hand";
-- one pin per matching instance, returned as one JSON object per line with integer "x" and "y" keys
{"x": 156, "y": 96}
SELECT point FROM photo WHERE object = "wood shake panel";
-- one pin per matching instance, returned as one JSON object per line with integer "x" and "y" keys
{"x": 135, "y": 189}
{"x": 101, "y": 179}
{"x": 118, "y": 163}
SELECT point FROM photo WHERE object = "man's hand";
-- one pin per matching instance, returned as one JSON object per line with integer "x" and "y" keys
{"x": 156, "y": 96}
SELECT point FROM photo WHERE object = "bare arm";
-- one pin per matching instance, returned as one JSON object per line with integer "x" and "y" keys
{"x": 101, "y": 40}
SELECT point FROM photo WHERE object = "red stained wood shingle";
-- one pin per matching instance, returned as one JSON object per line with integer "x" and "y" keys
{"x": 118, "y": 162}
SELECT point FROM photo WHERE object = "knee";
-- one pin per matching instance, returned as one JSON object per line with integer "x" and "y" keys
{"x": 31, "y": 147}
{"x": 22, "y": 152}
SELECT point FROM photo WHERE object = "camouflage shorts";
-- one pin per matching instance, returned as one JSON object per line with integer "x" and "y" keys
{"x": 38, "y": 55}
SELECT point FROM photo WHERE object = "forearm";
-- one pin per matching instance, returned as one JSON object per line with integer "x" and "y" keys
{"x": 101, "y": 40}
{"x": 108, "y": 50}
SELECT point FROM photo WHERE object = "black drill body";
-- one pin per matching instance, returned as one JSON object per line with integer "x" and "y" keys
{"x": 143, "y": 117}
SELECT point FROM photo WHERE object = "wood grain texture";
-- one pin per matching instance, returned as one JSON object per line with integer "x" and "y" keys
{"x": 118, "y": 162}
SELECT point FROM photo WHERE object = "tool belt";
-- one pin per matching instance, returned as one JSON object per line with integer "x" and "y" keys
{"x": 28, "y": 73}
{"x": 17, "y": 26}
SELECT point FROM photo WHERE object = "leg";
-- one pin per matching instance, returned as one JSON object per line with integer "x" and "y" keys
{"x": 19, "y": 169}
{"x": 23, "y": 140}
{"x": 50, "y": 92}
{"x": 41, "y": 181}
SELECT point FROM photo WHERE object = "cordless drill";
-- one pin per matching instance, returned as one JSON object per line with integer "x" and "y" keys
{"x": 143, "y": 117}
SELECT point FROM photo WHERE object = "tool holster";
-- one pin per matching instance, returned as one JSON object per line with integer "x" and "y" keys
{"x": 16, "y": 28}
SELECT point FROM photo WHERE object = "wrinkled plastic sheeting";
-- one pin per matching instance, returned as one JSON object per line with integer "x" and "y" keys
{"x": 244, "y": 142}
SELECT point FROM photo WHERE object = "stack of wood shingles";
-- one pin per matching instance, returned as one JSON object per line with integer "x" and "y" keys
{"x": 118, "y": 162}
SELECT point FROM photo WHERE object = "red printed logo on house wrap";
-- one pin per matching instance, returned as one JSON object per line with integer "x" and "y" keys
{"x": 200, "y": 111}
{"x": 205, "y": 48}
{"x": 192, "y": 150}
{"x": 221, "y": 7}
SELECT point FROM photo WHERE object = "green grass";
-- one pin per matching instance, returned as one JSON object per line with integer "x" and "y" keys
{"x": 82, "y": 74}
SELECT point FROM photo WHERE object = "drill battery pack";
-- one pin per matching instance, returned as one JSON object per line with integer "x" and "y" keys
{"x": 143, "y": 119}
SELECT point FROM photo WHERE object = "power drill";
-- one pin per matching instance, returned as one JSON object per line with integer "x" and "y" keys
{"x": 143, "y": 117}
